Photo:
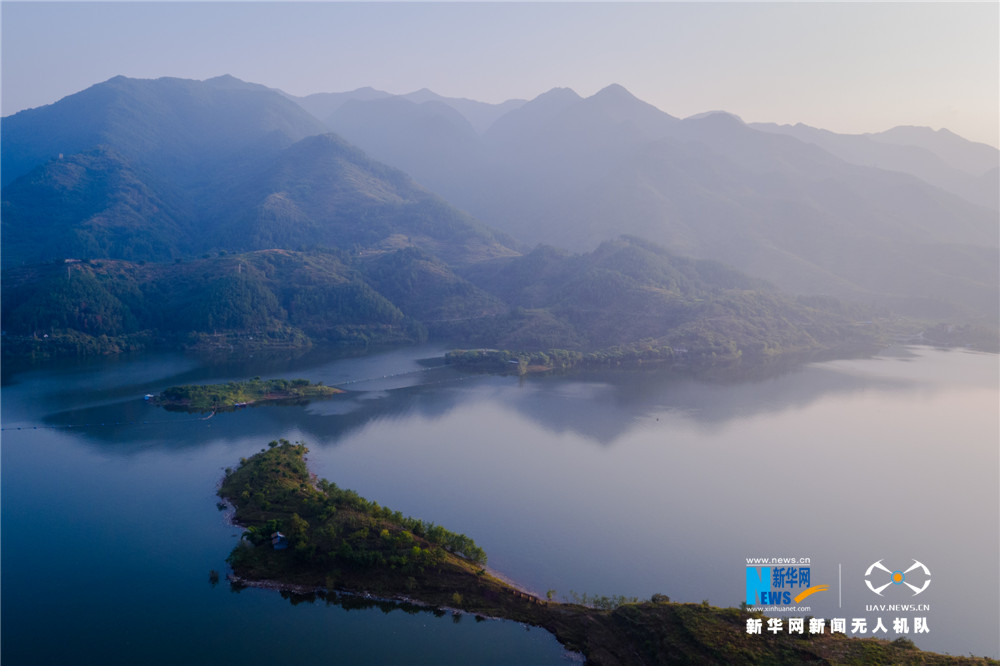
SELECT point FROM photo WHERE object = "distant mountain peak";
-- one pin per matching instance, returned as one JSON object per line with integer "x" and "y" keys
{"x": 717, "y": 115}
{"x": 224, "y": 78}
{"x": 614, "y": 91}
{"x": 422, "y": 95}
{"x": 139, "y": 119}
{"x": 535, "y": 113}
{"x": 558, "y": 94}
{"x": 230, "y": 82}
{"x": 912, "y": 133}
{"x": 959, "y": 152}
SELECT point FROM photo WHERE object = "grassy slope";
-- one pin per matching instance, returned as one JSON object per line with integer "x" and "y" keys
{"x": 275, "y": 485}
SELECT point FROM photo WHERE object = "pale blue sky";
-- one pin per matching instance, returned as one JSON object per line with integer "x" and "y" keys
{"x": 856, "y": 67}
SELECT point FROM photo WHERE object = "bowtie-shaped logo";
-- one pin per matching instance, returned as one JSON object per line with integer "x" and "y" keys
{"x": 898, "y": 577}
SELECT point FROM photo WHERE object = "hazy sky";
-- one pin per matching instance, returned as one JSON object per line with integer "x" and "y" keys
{"x": 856, "y": 67}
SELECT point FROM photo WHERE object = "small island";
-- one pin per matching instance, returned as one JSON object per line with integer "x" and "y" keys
{"x": 311, "y": 537}
{"x": 233, "y": 395}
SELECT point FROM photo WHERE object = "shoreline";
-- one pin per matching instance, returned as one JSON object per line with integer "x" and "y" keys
{"x": 229, "y": 519}
{"x": 625, "y": 632}
{"x": 575, "y": 656}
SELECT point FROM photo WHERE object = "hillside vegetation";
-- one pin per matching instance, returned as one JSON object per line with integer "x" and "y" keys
{"x": 271, "y": 298}
{"x": 166, "y": 169}
{"x": 628, "y": 294}
{"x": 220, "y": 397}
{"x": 333, "y": 533}
{"x": 219, "y": 214}
{"x": 336, "y": 541}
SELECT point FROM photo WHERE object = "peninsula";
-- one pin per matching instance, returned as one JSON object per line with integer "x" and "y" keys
{"x": 231, "y": 395}
{"x": 309, "y": 534}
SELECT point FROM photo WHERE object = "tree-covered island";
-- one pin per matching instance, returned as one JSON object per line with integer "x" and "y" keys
{"x": 308, "y": 533}
{"x": 228, "y": 396}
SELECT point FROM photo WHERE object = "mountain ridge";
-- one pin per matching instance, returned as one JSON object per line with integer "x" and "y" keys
{"x": 946, "y": 166}
{"x": 213, "y": 165}
{"x": 562, "y": 170}
{"x": 224, "y": 166}
{"x": 163, "y": 122}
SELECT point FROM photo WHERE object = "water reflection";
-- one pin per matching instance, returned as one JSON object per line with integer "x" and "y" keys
{"x": 603, "y": 482}
{"x": 596, "y": 406}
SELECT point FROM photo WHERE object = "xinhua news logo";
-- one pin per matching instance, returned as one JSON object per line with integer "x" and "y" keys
{"x": 917, "y": 577}
{"x": 780, "y": 585}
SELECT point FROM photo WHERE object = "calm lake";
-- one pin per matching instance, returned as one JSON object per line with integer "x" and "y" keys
{"x": 626, "y": 483}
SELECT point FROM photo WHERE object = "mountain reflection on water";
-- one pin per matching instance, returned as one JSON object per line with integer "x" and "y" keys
{"x": 612, "y": 483}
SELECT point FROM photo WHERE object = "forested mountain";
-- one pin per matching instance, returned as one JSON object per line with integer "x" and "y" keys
{"x": 220, "y": 213}
{"x": 573, "y": 172}
{"x": 157, "y": 170}
{"x": 630, "y": 289}
{"x": 627, "y": 294}
{"x": 259, "y": 298}
{"x": 323, "y": 192}
{"x": 92, "y": 204}
{"x": 179, "y": 131}
{"x": 427, "y": 138}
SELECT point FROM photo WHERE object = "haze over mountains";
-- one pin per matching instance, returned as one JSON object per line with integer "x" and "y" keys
{"x": 911, "y": 222}
{"x": 941, "y": 158}
{"x": 154, "y": 170}
{"x": 172, "y": 170}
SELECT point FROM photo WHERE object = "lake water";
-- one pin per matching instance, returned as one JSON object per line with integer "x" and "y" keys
{"x": 618, "y": 483}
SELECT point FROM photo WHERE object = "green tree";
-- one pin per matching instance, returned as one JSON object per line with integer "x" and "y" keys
{"x": 296, "y": 530}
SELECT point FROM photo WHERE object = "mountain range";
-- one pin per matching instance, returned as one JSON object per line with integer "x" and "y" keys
{"x": 909, "y": 221}
{"x": 155, "y": 170}
{"x": 127, "y": 207}
{"x": 940, "y": 158}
